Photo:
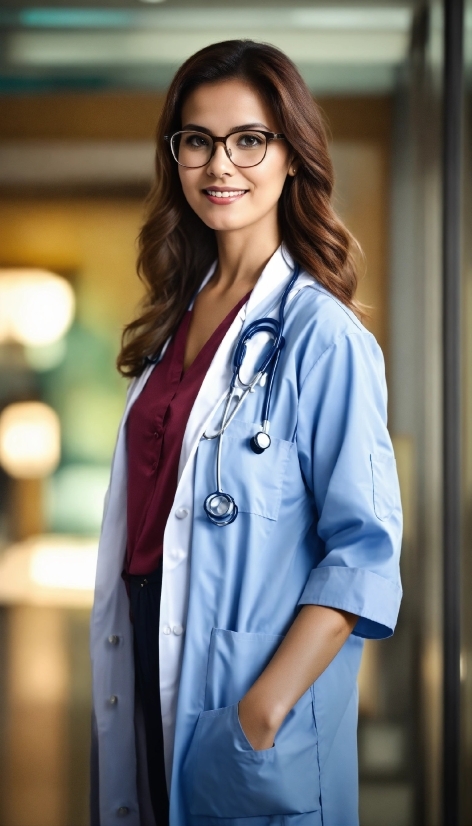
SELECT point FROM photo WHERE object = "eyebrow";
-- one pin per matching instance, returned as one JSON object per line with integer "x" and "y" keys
{"x": 196, "y": 128}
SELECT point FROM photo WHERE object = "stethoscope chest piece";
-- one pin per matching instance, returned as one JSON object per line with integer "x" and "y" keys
{"x": 220, "y": 508}
{"x": 260, "y": 442}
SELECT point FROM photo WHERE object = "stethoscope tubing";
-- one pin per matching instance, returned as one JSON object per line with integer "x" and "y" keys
{"x": 270, "y": 325}
{"x": 268, "y": 368}
{"x": 226, "y": 420}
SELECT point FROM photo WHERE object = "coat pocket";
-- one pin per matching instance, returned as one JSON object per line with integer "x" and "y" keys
{"x": 255, "y": 480}
{"x": 225, "y": 776}
{"x": 385, "y": 484}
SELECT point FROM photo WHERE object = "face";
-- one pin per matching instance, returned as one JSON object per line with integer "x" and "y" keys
{"x": 250, "y": 195}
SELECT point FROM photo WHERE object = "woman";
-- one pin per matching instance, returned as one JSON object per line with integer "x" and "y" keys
{"x": 225, "y": 657}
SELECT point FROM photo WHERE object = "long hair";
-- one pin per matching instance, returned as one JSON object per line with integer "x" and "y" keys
{"x": 176, "y": 248}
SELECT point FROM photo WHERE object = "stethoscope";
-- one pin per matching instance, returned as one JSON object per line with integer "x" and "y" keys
{"x": 220, "y": 506}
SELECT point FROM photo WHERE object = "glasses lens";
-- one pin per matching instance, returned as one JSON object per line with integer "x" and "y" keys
{"x": 192, "y": 148}
{"x": 247, "y": 148}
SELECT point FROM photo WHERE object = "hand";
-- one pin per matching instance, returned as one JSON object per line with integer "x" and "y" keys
{"x": 311, "y": 643}
{"x": 255, "y": 724}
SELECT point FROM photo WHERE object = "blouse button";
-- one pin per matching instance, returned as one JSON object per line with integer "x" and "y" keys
{"x": 178, "y": 630}
{"x": 166, "y": 629}
{"x": 181, "y": 513}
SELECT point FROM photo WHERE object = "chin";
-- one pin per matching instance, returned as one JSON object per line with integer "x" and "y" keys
{"x": 224, "y": 226}
{"x": 220, "y": 223}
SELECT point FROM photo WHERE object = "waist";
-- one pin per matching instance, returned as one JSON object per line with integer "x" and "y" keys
{"x": 141, "y": 580}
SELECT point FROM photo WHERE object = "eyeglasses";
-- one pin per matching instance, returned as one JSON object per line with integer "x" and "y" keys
{"x": 244, "y": 149}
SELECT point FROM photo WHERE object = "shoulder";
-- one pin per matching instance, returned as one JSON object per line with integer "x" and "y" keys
{"x": 320, "y": 324}
{"x": 314, "y": 306}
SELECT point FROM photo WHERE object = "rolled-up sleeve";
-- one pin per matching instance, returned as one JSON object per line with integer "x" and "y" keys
{"x": 347, "y": 460}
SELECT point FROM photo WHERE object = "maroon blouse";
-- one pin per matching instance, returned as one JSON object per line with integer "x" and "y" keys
{"x": 155, "y": 431}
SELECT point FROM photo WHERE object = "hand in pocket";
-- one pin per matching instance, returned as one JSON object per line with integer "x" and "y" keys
{"x": 255, "y": 725}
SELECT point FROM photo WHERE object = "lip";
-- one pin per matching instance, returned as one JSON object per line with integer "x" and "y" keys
{"x": 222, "y": 200}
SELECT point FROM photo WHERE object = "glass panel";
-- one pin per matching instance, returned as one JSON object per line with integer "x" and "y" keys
{"x": 416, "y": 401}
{"x": 466, "y": 654}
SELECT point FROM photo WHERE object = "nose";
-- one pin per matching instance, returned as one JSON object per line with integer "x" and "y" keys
{"x": 219, "y": 164}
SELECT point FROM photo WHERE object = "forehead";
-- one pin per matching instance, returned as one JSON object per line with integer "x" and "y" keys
{"x": 222, "y": 106}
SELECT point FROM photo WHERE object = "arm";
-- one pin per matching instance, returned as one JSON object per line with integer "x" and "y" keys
{"x": 347, "y": 461}
{"x": 313, "y": 640}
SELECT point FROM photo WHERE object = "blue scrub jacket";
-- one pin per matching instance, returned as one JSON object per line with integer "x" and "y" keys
{"x": 319, "y": 523}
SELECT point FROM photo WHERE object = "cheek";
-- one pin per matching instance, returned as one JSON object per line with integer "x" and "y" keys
{"x": 190, "y": 185}
{"x": 268, "y": 187}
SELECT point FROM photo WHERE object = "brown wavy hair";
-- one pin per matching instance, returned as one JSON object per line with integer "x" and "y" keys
{"x": 176, "y": 248}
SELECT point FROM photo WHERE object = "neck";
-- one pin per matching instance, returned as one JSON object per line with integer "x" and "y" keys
{"x": 243, "y": 254}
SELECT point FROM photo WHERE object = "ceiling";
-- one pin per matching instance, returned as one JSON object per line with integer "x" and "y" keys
{"x": 13, "y": 5}
{"x": 343, "y": 48}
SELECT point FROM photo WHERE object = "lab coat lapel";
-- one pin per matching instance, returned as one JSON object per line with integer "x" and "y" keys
{"x": 264, "y": 297}
{"x": 270, "y": 284}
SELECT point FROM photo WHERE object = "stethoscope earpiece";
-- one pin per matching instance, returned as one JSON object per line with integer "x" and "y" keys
{"x": 260, "y": 442}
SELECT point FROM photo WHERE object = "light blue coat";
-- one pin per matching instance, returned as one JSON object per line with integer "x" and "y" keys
{"x": 319, "y": 522}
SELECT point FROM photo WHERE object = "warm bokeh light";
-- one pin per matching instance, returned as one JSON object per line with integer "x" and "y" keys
{"x": 49, "y": 569}
{"x": 64, "y": 564}
{"x": 36, "y": 306}
{"x": 30, "y": 440}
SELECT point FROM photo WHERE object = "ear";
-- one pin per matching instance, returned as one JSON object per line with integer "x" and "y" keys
{"x": 293, "y": 168}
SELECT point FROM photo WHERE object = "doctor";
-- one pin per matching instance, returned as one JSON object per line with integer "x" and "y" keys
{"x": 252, "y": 526}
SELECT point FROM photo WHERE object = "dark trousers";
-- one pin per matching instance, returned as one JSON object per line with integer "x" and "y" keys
{"x": 145, "y": 598}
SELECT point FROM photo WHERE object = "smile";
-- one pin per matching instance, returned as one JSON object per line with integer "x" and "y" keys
{"x": 224, "y": 196}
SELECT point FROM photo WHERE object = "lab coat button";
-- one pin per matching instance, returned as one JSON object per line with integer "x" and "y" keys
{"x": 113, "y": 639}
{"x": 178, "y": 630}
{"x": 113, "y": 700}
{"x": 123, "y": 811}
{"x": 166, "y": 629}
{"x": 181, "y": 513}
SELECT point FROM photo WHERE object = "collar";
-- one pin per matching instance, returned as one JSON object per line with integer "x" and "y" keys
{"x": 272, "y": 280}
{"x": 264, "y": 298}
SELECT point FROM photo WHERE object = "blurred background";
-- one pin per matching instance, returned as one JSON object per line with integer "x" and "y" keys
{"x": 81, "y": 87}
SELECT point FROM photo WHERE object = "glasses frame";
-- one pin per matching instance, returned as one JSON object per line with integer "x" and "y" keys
{"x": 269, "y": 136}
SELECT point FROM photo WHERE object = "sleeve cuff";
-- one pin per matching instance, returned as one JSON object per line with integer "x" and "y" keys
{"x": 373, "y": 598}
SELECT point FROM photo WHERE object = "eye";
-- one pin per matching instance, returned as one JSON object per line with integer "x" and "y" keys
{"x": 249, "y": 140}
{"x": 196, "y": 140}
